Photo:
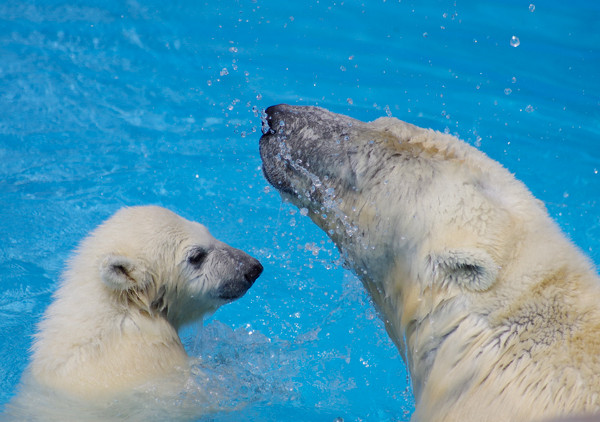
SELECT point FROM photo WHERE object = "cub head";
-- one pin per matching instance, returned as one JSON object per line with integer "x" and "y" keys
{"x": 153, "y": 261}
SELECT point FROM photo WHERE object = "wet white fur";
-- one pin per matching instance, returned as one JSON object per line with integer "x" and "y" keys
{"x": 101, "y": 335}
{"x": 496, "y": 313}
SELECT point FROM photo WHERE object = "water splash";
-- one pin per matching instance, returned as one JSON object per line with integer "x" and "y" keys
{"x": 330, "y": 203}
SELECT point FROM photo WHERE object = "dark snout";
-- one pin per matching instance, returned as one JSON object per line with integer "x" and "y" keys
{"x": 245, "y": 270}
{"x": 300, "y": 139}
{"x": 277, "y": 127}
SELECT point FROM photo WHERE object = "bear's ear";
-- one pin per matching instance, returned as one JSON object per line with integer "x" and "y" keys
{"x": 121, "y": 273}
{"x": 472, "y": 269}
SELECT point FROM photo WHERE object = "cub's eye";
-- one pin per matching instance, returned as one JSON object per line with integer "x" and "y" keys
{"x": 197, "y": 257}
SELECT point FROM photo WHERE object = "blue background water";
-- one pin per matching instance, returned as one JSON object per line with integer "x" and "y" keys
{"x": 114, "y": 103}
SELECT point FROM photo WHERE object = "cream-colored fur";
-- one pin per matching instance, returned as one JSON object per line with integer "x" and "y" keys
{"x": 495, "y": 312}
{"x": 133, "y": 283}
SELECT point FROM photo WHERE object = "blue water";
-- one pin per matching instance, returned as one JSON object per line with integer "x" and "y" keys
{"x": 115, "y": 103}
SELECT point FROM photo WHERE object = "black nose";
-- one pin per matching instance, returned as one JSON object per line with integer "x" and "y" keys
{"x": 249, "y": 270}
{"x": 253, "y": 272}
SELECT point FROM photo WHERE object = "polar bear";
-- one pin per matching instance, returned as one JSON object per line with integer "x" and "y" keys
{"x": 495, "y": 312}
{"x": 140, "y": 276}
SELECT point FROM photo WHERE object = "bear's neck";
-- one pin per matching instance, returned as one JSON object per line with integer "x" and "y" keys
{"x": 420, "y": 321}
{"x": 86, "y": 344}
{"x": 474, "y": 349}
{"x": 426, "y": 322}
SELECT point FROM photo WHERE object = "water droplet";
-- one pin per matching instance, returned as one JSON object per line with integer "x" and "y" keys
{"x": 514, "y": 41}
{"x": 531, "y": 7}
{"x": 507, "y": 91}
{"x": 529, "y": 108}
{"x": 349, "y": 101}
{"x": 425, "y": 34}
{"x": 514, "y": 80}
{"x": 224, "y": 72}
{"x": 303, "y": 211}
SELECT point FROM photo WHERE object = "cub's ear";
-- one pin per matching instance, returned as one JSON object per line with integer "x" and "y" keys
{"x": 121, "y": 273}
{"x": 472, "y": 269}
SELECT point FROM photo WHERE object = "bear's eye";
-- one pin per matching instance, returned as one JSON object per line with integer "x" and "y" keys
{"x": 197, "y": 257}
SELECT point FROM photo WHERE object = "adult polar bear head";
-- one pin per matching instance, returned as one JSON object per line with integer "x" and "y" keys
{"x": 132, "y": 284}
{"x": 494, "y": 311}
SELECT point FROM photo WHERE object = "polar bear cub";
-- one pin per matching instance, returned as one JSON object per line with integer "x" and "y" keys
{"x": 495, "y": 312}
{"x": 134, "y": 281}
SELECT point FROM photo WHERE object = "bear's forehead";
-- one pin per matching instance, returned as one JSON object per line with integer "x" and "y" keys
{"x": 150, "y": 227}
